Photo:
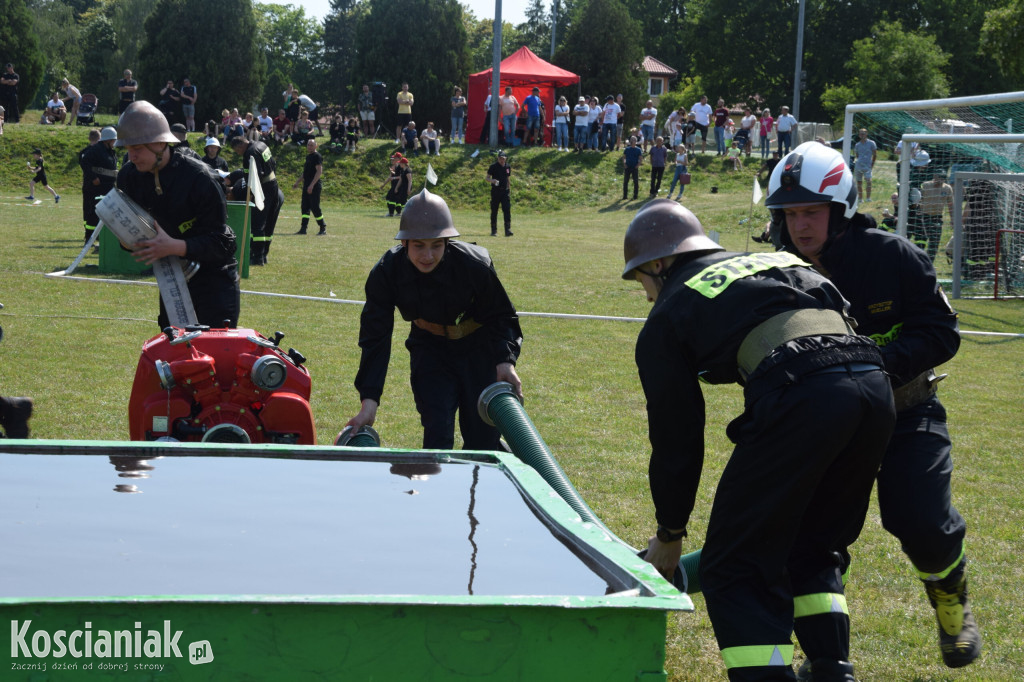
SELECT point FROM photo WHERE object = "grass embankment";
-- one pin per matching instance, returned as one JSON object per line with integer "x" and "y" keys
{"x": 73, "y": 346}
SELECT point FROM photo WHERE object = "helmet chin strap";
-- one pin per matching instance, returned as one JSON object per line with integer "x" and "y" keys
{"x": 156, "y": 166}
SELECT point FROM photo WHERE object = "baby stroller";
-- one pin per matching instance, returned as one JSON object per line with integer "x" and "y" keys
{"x": 87, "y": 110}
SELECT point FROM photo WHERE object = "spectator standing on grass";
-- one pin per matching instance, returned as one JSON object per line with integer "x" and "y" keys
{"x": 747, "y": 127}
{"x": 721, "y": 116}
{"x": 75, "y": 96}
{"x": 312, "y": 172}
{"x": 499, "y": 178}
{"x": 674, "y": 122}
{"x": 867, "y": 152}
{"x": 648, "y": 120}
{"x": 610, "y": 126}
{"x": 562, "y": 124}
{"x": 1, "y": 119}
{"x": 632, "y": 157}
{"x": 817, "y": 414}
{"x": 765, "y": 130}
{"x": 457, "y": 135}
{"x": 620, "y": 124}
{"x": 367, "y": 110}
{"x": 485, "y": 130}
{"x": 690, "y": 129}
{"x": 170, "y": 96}
{"x": 679, "y": 171}
{"x": 659, "y": 155}
{"x": 580, "y": 132}
{"x": 594, "y": 121}
{"x": 896, "y": 299}
{"x": 99, "y": 172}
{"x": 126, "y": 88}
{"x": 189, "y": 95}
{"x": 9, "y": 93}
{"x": 405, "y": 100}
{"x": 784, "y": 128}
{"x": 702, "y": 112}
{"x": 40, "y": 177}
{"x": 464, "y": 333}
{"x": 509, "y": 109}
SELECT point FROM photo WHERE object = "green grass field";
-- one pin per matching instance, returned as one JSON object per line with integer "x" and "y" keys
{"x": 73, "y": 346}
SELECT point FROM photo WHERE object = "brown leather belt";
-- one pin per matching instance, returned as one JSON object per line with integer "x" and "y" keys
{"x": 448, "y": 331}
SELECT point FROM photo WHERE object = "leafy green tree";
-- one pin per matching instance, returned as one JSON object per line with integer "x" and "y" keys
{"x": 340, "y": 49}
{"x": 893, "y": 65}
{"x": 19, "y": 45}
{"x": 480, "y": 42}
{"x": 60, "y": 39}
{"x": 296, "y": 47}
{"x": 211, "y": 43}
{"x": 603, "y": 45}
{"x": 1002, "y": 40}
{"x": 535, "y": 32}
{"x": 99, "y": 75}
{"x": 422, "y": 42}
{"x": 667, "y": 32}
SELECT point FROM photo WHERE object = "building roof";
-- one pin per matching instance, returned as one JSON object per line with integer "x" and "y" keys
{"x": 656, "y": 68}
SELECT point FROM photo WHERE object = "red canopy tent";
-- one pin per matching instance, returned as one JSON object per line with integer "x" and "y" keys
{"x": 522, "y": 71}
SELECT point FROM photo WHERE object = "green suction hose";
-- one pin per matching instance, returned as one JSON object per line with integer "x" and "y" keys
{"x": 499, "y": 407}
{"x": 364, "y": 437}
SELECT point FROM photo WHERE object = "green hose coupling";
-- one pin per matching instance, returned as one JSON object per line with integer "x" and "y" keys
{"x": 364, "y": 437}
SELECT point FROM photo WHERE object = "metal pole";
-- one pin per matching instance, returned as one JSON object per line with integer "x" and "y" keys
{"x": 554, "y": 26}
{"x": 495, "y": 76}
{"x": 799, "y": 61}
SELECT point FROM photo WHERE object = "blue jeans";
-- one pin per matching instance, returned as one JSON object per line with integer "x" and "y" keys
{"x": 457, "y": 129}
{"x": 509, "y": 124}
{"x": 562, "y": 133}
{"x": 720, "y": 139}
{"x": 609, "y": 135}
{"x": 784, "y": 140}
{"x": 579, "y": 135}
{"x": 675, "y": 178}
{"x": 648, "y": 133}
{"x": 766, "y": 146}
{"x": 595, "y": 127}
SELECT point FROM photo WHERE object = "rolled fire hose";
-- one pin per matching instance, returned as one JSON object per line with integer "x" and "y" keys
{"x": 364, "y": 437}
{"x": 499, "y": 407}
{"x": 132, "y": 224}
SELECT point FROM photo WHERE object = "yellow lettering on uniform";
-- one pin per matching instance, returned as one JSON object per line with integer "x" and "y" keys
{"x": 716, "y": 278}
{"x": 186, "y": 226}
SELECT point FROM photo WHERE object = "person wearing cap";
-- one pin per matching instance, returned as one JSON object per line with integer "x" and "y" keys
{"x": 400, "y": 178}
{"x": 182, "y": 147}
{"x": 212, "y": 157}
{"x": 263, "y": 220}
{"x": 189, "y": 213}
{"x": 817, "y": 414}
{"x": 464, "y": 332}
{"x": 498, "y": 177}
{"x": 126, "y": 89}
{"x": 897, "y": 301}
{"x": 581, "y": 112}
{"x": 99, "y": 172}
{"x": 533, "y": 108}
{"x": 312, "y": 171}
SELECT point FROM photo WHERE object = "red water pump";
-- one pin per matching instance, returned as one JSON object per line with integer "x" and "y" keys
{"x": 221, "y": 386}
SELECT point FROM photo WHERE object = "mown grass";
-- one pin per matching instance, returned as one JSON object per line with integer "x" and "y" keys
{"x": 73, "y": 346}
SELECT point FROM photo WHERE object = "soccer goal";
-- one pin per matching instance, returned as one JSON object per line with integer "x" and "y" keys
{"x": 987, "y": 246}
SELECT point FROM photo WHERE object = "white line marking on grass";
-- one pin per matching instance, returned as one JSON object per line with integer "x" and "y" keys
{"x": 560, "y": 316}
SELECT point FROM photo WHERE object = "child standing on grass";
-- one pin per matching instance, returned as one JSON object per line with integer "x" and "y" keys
{"x": 40, "y": 177}
{"x": 680, "y": 169}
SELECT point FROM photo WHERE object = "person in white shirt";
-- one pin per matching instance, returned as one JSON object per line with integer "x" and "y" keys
{"x": 784, "y": 126}
{"x": 702, "y": 114}
{"x": 562, "y": 124}
{"x": 266, "y": 123}
{"x": 610, "y": 128}
{"x": 594, "y": 120}
{"x": 648, "y": 116}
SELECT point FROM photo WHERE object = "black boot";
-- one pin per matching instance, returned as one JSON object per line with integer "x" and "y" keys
{"x": 14, "y": 416}
{"x": 959, "y": 637}
{"x": 825, "y": 670}
{"x": 508, "y": 229}
{"x": 323, "y": 228}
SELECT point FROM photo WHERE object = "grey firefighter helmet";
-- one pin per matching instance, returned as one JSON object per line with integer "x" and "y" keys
{"x": 426, "y": 216}
{"x": 142, "y": 123}
{"x": 663, "y": 228}
{"x": 108, "y": 133}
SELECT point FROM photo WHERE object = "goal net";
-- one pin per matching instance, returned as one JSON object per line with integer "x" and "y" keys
{"x": 967, "y": 135}
{"x": 1009, "y": 265}
{"x": 987, "y": 246}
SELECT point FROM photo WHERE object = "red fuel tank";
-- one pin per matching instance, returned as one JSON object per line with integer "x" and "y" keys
{"x": 220, "y": 385}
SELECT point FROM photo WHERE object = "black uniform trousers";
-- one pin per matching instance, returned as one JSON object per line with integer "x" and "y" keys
{"x": 90, "y": 195}
{"x": 446, "y": 376}
{"x": 311, "y": 204}
{"x": 914, "y": 494}
{"x": 501, "y": 197}
{"x": 657, "y": 173}
{"x": 790, "y": 501}
{"x": 634, "y": 173}
{"x": 264, "y": 222}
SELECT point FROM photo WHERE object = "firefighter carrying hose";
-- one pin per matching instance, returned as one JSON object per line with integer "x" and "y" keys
{"x": 897, "y": 301}
{"x": 464, "y": 333}
{"x": 818, "y": 412}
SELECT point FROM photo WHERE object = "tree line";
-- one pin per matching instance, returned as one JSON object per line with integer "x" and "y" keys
{"x": 244, "y": 53}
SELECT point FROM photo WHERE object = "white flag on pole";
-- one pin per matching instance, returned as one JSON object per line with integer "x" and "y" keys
{"x": 431, "y": 175}
{"x": 757, "y": 191}
{"x": 254, "y": 184}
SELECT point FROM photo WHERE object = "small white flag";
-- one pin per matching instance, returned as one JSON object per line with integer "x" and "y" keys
{"x": 254, "y": 184}
{"x": 431, "y": 175}
{"x": 757, "y": 191}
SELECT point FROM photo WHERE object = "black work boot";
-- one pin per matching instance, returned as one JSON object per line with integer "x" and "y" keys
{"x": 14, "y": 416}
{"x": 959, "y": 637}
{"x": 508, "y": 229}
{"x": 825, "y": 670}
{"x": 323, "y": 228}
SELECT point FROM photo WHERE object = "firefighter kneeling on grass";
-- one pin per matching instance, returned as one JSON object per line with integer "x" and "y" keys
{"x": 896, "y": 299}
{"x": 464, "y": 333}
{"x": 818, "y": 411}
{"x": 263, "y": 221}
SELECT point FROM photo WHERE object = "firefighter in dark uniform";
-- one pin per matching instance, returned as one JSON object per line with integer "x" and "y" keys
{"x": 263, "y": 221}
{"x": 312, "y": 171}
{"x": 189, "y": 211}
{"x": 99, "y": 171}
{"x": 818, "y": 411}
{"x": 498, "y": 175}
{"x": 897, "y": 301}
{"x": 464, "y": 331}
